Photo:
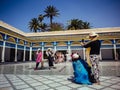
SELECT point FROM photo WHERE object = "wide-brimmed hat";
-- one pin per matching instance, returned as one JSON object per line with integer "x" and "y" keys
{"x": 38, "y": 49}
{"x": 49, "y": 49}
{"x": 75, "y": 56}
{"x": 92, "y": 34}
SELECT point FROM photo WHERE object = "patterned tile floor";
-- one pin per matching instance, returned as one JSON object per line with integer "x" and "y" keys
{"x": 21, "y": 76}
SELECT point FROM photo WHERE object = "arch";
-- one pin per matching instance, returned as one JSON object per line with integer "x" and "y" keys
{"x": 1, "y": 37}
{"x": 28, "y": 44}
{"x": 21, "y": 42}
{"x": 106, "y": 42}
{"x": 118, "y": 42}
{"x": 62, "y": 43}
{"x": 11, "y": 39}
{"x": 48, "y": 44}
{"x": 75, "y": 43}
{"x": 36, "y": 44}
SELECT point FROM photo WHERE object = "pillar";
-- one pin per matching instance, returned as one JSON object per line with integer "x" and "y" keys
{"x": 3, "y": 50}
{"x": 42, "y": 45}
{"x": 16, "y": 50}
{"x": 24, "y": 54}
{"x": 84, "y": 53}
{"x": 55, "y": 46}
{"x": 100, "y": 50}
{"x": 30, "y": 56}
{"x": 69, "y": 46}
{"x": 114, "y": 47}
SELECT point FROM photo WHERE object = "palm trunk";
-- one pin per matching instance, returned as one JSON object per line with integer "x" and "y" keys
{"x": 51, "y": 21}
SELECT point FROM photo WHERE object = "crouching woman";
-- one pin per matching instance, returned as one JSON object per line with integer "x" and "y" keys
{"x": 80, "y": 73}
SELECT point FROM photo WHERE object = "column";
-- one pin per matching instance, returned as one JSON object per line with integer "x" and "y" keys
{"x": 24, "y": 51}
{"x": 84, "y": 54}
{"x": 100, "y": 55}
{"x": 3, "y": 50}
{"x": 114, "y": 47}
{"x": 55, "y": 46}
{"x": 30, "y": 56}
{"x": 42, "y": 44}
{"x": 16, "y": 50}
{"x": 84, "y": 50}
{"x": 100, "y": 50}
{"x": 69, "y": 46}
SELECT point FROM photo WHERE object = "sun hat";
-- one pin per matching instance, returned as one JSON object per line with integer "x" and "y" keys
{"x": 92, "y": 34}
{"x": 75, "y": 56}
{"x": 38, "y": 49}
{"x": 49, "y": 49}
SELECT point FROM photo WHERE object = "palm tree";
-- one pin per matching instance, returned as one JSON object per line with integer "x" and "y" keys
{"x": 34, "y": 25}
{"x": 57, "y": 27}
{"x": 51, "y": 12}
{"x": 75, "y": 24}
{"x": 86, "y": 25}
{"x": 41, "y": 18}
{"x": 43, "y": 27}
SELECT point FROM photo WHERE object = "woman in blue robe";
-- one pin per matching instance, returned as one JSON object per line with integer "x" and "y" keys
{"x": 80, "y": 73}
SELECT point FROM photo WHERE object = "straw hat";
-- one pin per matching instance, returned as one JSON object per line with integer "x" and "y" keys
{"x": 49, "y": 49}
{"x": 92, "y": 34}
{"x": 75, "y": 56}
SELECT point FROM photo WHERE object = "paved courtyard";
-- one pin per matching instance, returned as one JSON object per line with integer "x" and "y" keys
{"x": 22, "y": 76}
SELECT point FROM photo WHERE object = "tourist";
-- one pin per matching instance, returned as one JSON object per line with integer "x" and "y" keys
{"x": 59, "y": 57}
{"x": 94, "y": 46}
{"x": 50, "y": 55}
{"x": 80, "y": 73}
{"x": 38, "y": 59}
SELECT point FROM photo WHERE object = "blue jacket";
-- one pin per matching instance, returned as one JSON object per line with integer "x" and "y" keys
{"x": 80, "y": 73}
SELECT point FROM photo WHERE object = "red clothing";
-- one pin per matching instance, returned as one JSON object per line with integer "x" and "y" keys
{"x": 39, "y": 57}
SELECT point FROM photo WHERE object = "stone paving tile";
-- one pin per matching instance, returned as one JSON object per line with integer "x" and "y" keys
{"x": 28, "y": 89}
{"x": 73, "y": 85}
{"x": 115, "y": 87}
{"x": 22, "y": 86}
{"x": 36, "y": 84}
{"x": 55, "y": 84}
{"x": 18, "y": 83}
{"x": 6, "y": 88}
{"x": 108, "y": 88}
{"x": 63, "y": 88}
{"x": 5, "y": 85}
{"x": 43, "y": 87}
{"x": 85, "y": 88}
{"x": 47, "y": 82}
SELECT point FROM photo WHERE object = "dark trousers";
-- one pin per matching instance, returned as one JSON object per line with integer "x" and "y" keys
{"x": 37, "y": 64}
{"x": 50, "y": 61}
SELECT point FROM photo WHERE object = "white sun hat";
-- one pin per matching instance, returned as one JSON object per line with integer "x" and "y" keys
{"x": 38, "y": 49}
{"x": 75, "y": 56}
{"x": 92, "y": 34}
{"x": 49, "y": 49}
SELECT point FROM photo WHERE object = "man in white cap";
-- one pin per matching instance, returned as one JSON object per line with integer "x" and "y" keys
{"x": 94, "y": 46}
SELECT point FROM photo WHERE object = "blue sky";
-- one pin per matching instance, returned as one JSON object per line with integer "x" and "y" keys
{"x": 100, "y": 13}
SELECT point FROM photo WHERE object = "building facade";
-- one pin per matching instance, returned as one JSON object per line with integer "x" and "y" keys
{"x": 17, "y": 46}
